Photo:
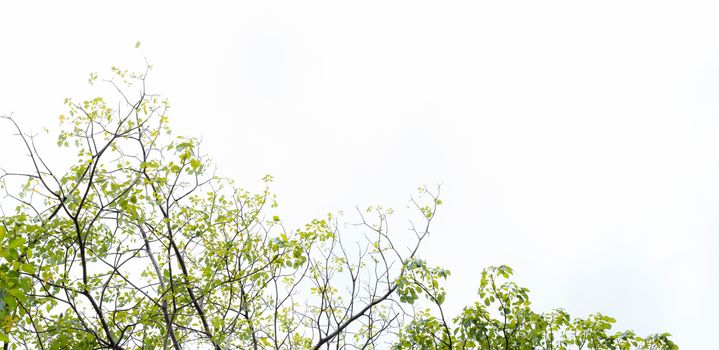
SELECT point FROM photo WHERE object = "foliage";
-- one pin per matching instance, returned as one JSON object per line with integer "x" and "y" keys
{"x": 139, "y": 245}
{"x": 502, "y": 319}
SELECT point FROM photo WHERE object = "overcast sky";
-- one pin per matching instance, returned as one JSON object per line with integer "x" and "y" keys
{"x": 577, "y": 142}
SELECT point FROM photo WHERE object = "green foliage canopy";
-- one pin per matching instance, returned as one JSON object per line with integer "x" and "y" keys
{"x": 139, "y": 245}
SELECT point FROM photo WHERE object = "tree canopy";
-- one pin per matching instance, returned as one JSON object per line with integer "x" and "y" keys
{"x": 140, "y": 245}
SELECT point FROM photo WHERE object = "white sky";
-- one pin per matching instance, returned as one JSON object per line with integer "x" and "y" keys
{"x": 576, "y": 141}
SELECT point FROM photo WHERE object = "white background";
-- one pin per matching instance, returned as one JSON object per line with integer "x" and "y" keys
{"x": 576, "y": 141}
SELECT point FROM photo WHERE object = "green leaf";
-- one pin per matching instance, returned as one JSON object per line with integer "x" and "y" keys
{"x": 18, "y": 294}
{"x": 29, "y": 268}
{"x": 17, "y": 242}
{"x": 4, "y": 337}
{"x": 195, "y": 163}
